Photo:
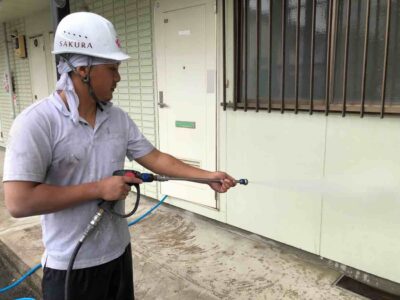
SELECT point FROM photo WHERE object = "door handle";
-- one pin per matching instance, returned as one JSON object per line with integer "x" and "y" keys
{"x": 160, "y": 102}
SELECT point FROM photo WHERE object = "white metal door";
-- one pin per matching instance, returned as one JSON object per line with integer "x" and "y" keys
{"x": 38, "y": 67}
{"x": 186, "y": 65}
{"x": 53, "y": 68}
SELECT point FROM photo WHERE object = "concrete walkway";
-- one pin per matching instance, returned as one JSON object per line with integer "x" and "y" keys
{"x": 179, "y": 255}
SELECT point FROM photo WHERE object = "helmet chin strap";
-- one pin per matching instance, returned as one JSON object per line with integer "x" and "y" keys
{"x": 86, "y": 80}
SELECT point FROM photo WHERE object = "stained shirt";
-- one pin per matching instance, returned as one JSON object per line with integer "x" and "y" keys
{"x": 46, "y": 146}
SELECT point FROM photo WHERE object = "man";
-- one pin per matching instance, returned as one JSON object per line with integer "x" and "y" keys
{"x": 60, "y": 157}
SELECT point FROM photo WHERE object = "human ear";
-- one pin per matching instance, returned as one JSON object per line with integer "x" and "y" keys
{"x": 83, "y": 72}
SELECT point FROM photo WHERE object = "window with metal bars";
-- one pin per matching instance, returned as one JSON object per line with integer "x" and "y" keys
{"x": 314, "y": 55}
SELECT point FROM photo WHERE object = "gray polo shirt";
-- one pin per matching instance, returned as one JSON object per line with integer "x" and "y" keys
{"x": 46, "y": 146}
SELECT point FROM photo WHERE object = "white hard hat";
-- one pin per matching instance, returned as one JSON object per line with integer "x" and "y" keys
{"x": 88, "y": 34}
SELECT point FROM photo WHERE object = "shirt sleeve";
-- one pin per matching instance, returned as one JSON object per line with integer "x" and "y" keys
{"x": 138, "y": 145}
{"x": 28, "y": 152}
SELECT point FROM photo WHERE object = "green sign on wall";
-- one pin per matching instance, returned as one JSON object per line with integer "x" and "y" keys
{"x": 185, "y": 124}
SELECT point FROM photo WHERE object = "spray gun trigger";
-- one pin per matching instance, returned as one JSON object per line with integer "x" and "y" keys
{"x": 130, "y": 174}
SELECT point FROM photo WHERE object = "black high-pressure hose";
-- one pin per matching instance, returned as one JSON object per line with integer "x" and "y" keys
{"x": 103, "y": 206}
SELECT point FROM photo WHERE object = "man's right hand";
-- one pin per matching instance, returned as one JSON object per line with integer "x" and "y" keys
{"x": 116, "y": 187}
{"x": 26, "y": 198}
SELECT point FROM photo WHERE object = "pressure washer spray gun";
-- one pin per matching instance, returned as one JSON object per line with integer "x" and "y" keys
{"x": 107, "y": 206}
{"x": 148, "y": 177}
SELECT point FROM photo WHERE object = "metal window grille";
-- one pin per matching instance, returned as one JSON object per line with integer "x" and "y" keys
{"x": 315, "y": 55}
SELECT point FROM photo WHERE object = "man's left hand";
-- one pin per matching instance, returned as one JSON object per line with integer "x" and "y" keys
{"x": 226, "y": 182}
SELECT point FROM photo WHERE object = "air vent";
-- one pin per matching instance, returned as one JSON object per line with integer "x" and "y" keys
{"x": 362, "y": 289}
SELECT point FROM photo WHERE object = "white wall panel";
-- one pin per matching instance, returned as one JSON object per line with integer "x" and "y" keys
{"x": 281, "y": 155}
{"x": 361, "y": 215}
{"x": 135, "y": 92}
{"x": 340, "y": 200}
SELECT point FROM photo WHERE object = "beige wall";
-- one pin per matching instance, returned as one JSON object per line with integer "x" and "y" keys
{"x": 2, "y": 153}
{"x": 39, "y": 23}
{"x": 325, "y": 184}
{"x": 135, "y": 91}
{"x": 6, "y": 108}
{"x": 361, "y": 223}
{"x": 281, "y": 155}
{"x": 328, "y": 185}
{"x": 19, "y": 68}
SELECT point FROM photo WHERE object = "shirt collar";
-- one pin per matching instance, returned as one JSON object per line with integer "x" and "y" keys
{"x": 101, "y": 116}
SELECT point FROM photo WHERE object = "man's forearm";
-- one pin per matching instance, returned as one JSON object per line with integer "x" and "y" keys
{"x": 27, "y": 198}
{"x": 165, "y": 164}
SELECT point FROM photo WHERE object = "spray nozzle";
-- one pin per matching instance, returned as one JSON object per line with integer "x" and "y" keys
{"x": 243, "y": 181}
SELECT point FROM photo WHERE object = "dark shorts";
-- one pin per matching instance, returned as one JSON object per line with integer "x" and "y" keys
{"x": 110, "y": 281}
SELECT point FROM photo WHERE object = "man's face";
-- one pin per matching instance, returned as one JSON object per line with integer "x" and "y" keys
{"x": 104, "y": 79}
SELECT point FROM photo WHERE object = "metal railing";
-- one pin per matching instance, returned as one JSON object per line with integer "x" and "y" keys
{"x": 323, "y": 103}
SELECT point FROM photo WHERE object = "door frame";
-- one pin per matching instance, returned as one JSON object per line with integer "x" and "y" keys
{"x": 214, "y": 212}
{"x": 29, "y": 49}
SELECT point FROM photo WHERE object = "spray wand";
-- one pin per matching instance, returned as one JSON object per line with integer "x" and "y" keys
{"x": 148, "y": 177}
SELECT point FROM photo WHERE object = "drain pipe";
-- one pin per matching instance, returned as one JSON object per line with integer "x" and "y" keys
{"x": 8, "y": 70}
